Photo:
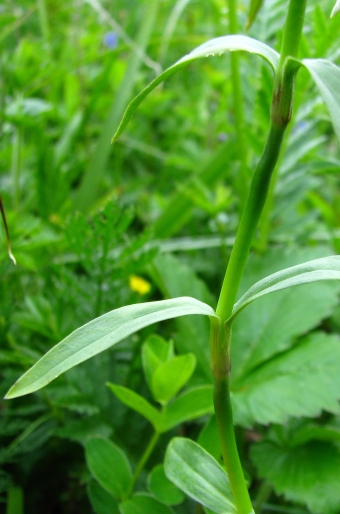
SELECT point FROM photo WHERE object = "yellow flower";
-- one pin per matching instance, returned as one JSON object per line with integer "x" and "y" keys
{"x": 139, "y": 285}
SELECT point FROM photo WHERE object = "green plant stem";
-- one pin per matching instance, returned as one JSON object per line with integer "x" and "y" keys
{"x": 251, "y": 214}
{"x": 220, "y": 339}
{"x": 144, "y": 458}
{"x": 243, "y": 177}
{"x": 43, "y": 17}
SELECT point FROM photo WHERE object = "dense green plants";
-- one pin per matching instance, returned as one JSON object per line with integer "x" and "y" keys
{"x": 280, "y": 347}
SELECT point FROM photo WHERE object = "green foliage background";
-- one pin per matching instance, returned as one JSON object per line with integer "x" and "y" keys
{"x": 162, "y": 204}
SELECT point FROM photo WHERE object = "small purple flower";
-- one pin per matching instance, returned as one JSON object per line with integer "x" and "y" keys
{"x": 111, "y": 40}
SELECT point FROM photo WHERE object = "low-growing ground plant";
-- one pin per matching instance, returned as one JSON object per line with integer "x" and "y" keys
{"x": 188, "y": 467}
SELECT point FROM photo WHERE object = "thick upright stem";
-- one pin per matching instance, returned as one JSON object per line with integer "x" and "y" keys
{"x": 220, "y": 365}
{"x": 220, "y": 339}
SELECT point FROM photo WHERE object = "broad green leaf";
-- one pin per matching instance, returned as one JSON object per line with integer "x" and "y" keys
{"x": 308, "y": 474}
{"x": 102, "y": 502}
{"x": 193, "y": 403}
{"x": 155, "y": 352}
{"x": 255, "y": 6}
{"x": 161, "y": 487}
{"x": 326, "y": 76}
{"x": 303, "y": 381}
{"x": 199, "y": 475}
{"x": 143, "y": 504}
{"x": 213, "y": 47}
{"x": 315, "y": 432}
{"x": 327, "y": 268}
{"x": 336, "y": 8}
{"x": 271, "y": 325}
{"x": 99, "y": 335}
{"x": 109, "y": 466}
{"x": 138, "y": 403}
{"x": 171, "y": 376}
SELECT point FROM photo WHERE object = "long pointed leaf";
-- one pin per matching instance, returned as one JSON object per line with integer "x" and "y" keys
{"x": 326, "y": 76}
{"x": 100, "y": 334}
{"x": 217, "y": 46}
{"x": 199, "y": 475}
{"x": 335, "y": 9}
{"x": 327, "y": 268}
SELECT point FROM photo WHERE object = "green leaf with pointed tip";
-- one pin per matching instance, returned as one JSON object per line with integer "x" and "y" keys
{"x": 139, "y": 404}
{"x": 199, "y": 475}
{"x": 109, "y": 466}
{"x": 326, "y": 76}
{"x": 308, "y": 474}
{"x": 102, "y": 502}
{"x": 161, "y": 487}
{"x": 335, "y": 9}
{"x": 142, "y": 503}
{"x": 255, "y": 6}
{"x": 193, "y": 403}
{"x": 216, "y": 46}
{"x": 155, "y": 352}
{"x": 171, "y": 376}
{"x": 99, "y": 335}
{"x": 326, "y": 268}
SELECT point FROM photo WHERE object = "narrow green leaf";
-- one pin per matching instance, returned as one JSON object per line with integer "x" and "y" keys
{"x": 199, "y": 475}
{"x": 99, "y": 335}
{"x": 326, "y": 76}
{"x": 161, "y": 487}
{"x": 217, "y": 46}
{"x": 326, "y": 268}
{"x": 102, "y": 502}
{"x": 336, "y": 8}
{"x": 138, "y": 403}
{"x": 143, "y": 504}
{"x": 255, "y": 6}
{"x": 171, "y": 376}
{"x": 193, "y": 403}
{"x": 109, "y": 466}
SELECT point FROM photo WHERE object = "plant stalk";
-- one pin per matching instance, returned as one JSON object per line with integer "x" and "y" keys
{"x": 220, "y": 338}
{"x": 144, "y": 458}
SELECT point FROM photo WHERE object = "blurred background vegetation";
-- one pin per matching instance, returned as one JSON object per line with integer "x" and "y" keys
{"x": 94, "y": 227}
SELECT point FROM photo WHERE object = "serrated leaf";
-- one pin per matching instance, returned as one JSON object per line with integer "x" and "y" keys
{"x": 139, "y": 404}
{"x": 171, "y": 376}
{"x": 326, "y": 76}
{"x": 109, "y": 466}
{"x": 327, "y": 268}
{"x": 308, "y": 474}
{"x": 142, "y": 503}
{"x": 199, "y": 475}
{"x": 300, "y": 382}
{"x": 193, "y": 403}
{"x": 99, "y": 335}
{"x": 335, "y": 9}
{"x": 213, "y": 47}
{"x": 161, "y": 487}
{"x": 102, "y": 502}
{"x": 255, "y": 6}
